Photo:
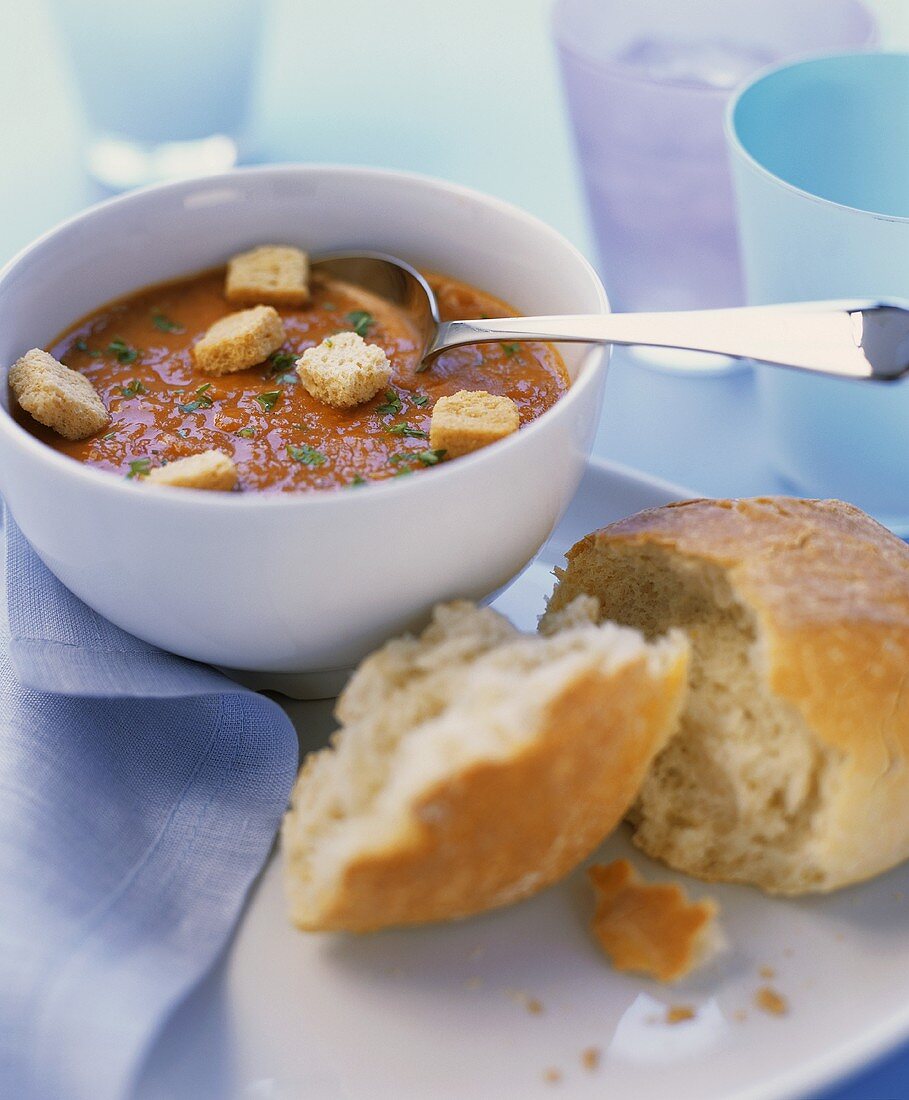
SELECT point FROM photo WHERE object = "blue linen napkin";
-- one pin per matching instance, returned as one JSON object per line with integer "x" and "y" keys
{"x": 140, "y": 794}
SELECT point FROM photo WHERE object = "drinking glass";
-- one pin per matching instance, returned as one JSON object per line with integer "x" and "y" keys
{"x": 647, "y": 83}
{"x": 820, "y": 155}
{"x": 165, "y": 83}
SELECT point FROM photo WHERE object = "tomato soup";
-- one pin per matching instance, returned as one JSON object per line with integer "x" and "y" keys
{"x": 137, "y": 353}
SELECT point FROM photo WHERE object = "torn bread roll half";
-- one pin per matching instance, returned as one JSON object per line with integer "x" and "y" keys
{"x": 474, "y": 766}
{"x": 790, "y": 769}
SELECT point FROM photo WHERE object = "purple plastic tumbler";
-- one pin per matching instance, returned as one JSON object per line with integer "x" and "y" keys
{"x": 647, "y": 83}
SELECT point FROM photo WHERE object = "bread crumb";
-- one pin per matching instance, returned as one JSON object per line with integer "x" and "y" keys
{"x": 57, "y": 396}
{"x": 898, "y": 895}
{"x": 473, "y": 983}
{"x": 740, "y": 1015}
{"x": 590, "y": 1058}
{"x": 650, "y": 928}
{"x": 788, "y": 952}
{"x": 272, "y": 275}
{"x": 344, "y": 371}
{"x": 470, "y": 419}
{"x": 767, "y": 973}
{"x": 552, "y": 1076}
{"x": 533, "y": 1004}
{"x": 239, "y": 341}
{"x": 771, "y": 1002}
{"x": 477, "y": 953}
{"x": 678, "y": 1014}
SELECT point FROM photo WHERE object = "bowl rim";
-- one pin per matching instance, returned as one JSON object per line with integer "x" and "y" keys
{"x": 592, "y": 364}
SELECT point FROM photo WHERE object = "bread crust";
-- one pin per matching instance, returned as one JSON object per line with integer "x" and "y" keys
{"x": 650, "y": 928}
{"x": 502, "y": 829}
{"x": 829, "y": 590}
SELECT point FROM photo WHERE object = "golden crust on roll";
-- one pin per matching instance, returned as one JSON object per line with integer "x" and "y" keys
{"x": 474, "y": 766}
{"x": 791, "y": 766}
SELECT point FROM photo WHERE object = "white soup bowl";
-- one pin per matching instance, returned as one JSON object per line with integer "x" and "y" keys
{"x": 291, "y": 587}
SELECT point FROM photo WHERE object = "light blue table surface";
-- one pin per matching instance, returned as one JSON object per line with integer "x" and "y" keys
{"x": 464, "y": 89}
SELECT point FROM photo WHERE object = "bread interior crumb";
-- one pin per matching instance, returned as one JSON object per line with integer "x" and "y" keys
{"x": 737, "y": 794}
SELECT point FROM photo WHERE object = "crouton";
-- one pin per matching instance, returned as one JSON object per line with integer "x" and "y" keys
{"x": 271, "y": 275}
{"x": 208, "y": 470}
{"x": 471, "y": 419}
{"x": 344, "y": 370}
{"x": 57, "y": 396}
{"x": 651, "y": 928}
{"x": 239, "y": 341}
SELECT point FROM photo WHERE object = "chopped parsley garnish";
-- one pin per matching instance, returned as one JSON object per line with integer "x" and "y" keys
{"x": 183, "y": 433}
{"x": 247, "y": 433}
{"x": 357, "y": 479}
{"x": 309, "y": 456}
{"x": 109, "y": 435}
{"x": 133, "y": 388}
{"x": 282, "y": 360}
{"x": 139, "y": 467}
{"x": 425, "y": 458}
{"x": 123, "y": 352}
{"x": 268, "y": 400}
{"x": 165, "y": 324}
{"x": 329, "y": 305}
{"x": 288, "y": 379}
{"x": 81, "y": 345}
{"x": 392, "y": 405}
{"x": 511, "y": 349}
{"x": 200, "y": 401}
{"x": 408, "y": 432}
{"x": 432, "y": 458}
{"x": 421, "y": 400}
{"x": 361, "y": 321}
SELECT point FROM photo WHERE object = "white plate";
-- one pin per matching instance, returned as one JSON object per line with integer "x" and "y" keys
{"x": 441, "y": 1012}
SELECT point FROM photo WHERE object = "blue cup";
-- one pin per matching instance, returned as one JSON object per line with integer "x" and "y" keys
{"x": 820, "y": 161}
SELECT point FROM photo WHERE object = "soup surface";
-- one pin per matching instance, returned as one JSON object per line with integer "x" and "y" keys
{"x": 136, "y": 352}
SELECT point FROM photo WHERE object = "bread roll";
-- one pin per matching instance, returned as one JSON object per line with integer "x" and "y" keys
{"x": 474, "y": 766}
{"x": 790, "y": 767}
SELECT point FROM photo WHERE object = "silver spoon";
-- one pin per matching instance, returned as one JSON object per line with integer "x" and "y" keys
{"x": 864, "y": 338}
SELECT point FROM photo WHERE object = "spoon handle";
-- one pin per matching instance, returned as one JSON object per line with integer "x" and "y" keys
{"x": 854, "y": 338}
